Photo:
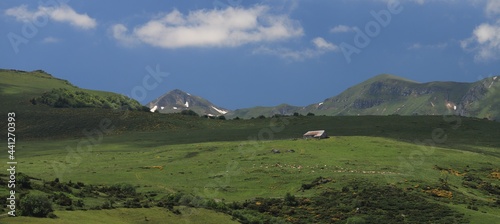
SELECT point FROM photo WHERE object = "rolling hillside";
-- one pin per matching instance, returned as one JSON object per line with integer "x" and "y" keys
{"x": 132, "y": 166}
{"x": 388, "y": 94}
{"x": 22, "y": 90}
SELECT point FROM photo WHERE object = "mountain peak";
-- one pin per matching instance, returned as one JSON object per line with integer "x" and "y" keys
{"x": 383, "y": 77}
{"x": 177, "y": 100}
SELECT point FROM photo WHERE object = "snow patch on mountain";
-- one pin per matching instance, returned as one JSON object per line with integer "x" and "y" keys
{"x": 220, "y": 111}
{"x": 186, "y": 104}
{"x": 154, "y": 108}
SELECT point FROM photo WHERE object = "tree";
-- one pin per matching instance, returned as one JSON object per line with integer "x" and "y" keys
{"x": 35, "y": 205}
{"x": 310, "y": 114}
{"x": 221, "y": 117}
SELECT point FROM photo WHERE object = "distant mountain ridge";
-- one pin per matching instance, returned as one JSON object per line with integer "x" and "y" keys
{"x": 388, "y": 94}
{"x": 177, "y": 100}
{"x": 381, "y": 95}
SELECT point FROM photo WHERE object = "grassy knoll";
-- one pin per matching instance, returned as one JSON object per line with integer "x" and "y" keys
{"x": 129, "y": 216}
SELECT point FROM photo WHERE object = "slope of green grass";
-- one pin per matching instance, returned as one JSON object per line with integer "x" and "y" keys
{"x": 237, "y": 171}
{"x": 233, "y": 165}
{"x": 129, "y": 216}
{"x": 18, "y": 88}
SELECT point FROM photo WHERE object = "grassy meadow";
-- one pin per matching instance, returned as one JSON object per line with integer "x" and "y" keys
{"x": 113, "y": 166}
{"x": 220, "y": 163}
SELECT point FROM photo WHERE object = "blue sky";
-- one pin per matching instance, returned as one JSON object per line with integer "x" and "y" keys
{"x": 241, "y": 53}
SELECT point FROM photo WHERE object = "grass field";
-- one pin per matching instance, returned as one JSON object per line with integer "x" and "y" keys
{"x": 127, "y": 216}
{"x": 242, "y": 170}
{"x": 448, "y": 161}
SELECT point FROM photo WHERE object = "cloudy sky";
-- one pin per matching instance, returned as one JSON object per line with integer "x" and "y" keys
{"x": 241, "y": 53}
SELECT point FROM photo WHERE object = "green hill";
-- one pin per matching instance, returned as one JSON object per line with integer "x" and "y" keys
{"x": 19, "y": 89}
{"x": 388, "y": 94}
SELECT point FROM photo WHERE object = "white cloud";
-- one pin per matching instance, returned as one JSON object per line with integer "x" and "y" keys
{"x": 341, "y": 29}
{"x": 321, "y": 47}
{"x": 21, "y": 13}
{"x": 229, "y": 27}
{"x": 493, "y": 7}
{"x": 322, "y": 44}
{"x": 286, "y": 53}
{"x": 62, "y": 13}
{"x": 119, "y": 32}
{"x": 485, "y": 41}
{"x": 50, "y": 40}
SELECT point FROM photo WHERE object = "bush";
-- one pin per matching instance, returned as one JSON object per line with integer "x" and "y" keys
{"x": 51, "y": 215}
{"x": 65, "y": 98}
{"x": 290, "y": 200}
{"x": 23, "y": 181}
{"x": 310, "y": 114}
{"x": 132, "y": 203}
{"x": 189, "y": 112}
{"x": 35, "y": 205}
{"x": 61, "y": 199}
{"x": 79, "y": 203}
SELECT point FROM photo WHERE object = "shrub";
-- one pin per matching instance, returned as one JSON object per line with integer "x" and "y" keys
{"x": 310, "y": 114}
{"x": 23, "y": 181}
{"x": 65, "y": 98}
{"x": 51, "y": 215}
{"x": 61, "y": 199}
{"x": 35, "y": 205}
{"x": 79, "y": 203}
{"x": 132, "y": 203}
{"x": 189, "y": 112}
{"x": 290, "y": 200}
